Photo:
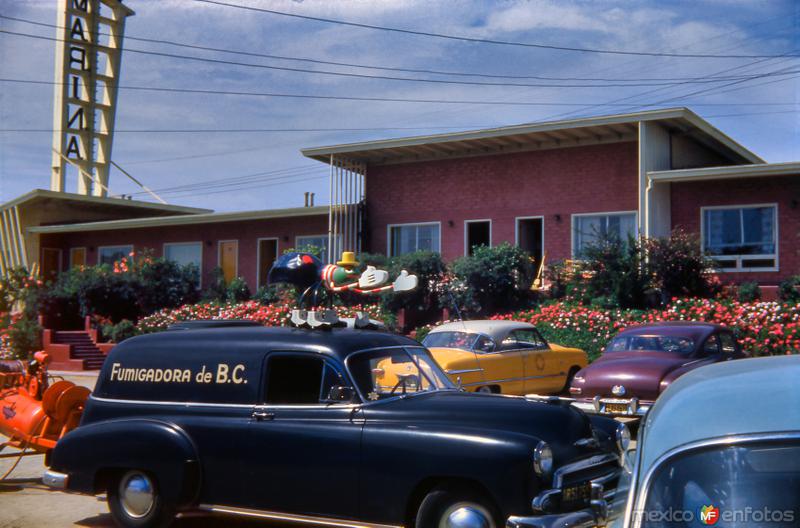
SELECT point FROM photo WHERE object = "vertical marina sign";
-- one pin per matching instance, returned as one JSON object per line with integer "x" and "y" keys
{"x": 87, "y": 69}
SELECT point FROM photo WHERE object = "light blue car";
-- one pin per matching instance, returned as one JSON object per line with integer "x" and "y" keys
{"x": 720, "y": 447}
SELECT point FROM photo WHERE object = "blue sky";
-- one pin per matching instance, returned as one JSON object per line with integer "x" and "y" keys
{"x": 199, "y": 160}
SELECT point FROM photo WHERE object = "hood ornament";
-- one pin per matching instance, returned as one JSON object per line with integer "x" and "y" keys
{"x": 618, "y": 390}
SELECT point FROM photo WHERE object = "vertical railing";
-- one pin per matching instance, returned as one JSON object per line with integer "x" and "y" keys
{"x": 347, "y": 185}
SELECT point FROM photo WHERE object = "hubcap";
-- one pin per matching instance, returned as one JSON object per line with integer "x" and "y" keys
{"x": 136, "y": 494}
{"x": 485, "y": 390}
{"x": 466, "y": 515}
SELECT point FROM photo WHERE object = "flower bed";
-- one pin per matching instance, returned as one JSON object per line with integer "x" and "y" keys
{"x": 763, "y": 328}
{"x": 266, "y": 314}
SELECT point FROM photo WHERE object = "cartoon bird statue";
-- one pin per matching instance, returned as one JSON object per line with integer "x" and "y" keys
{"x": 307, "y": 273}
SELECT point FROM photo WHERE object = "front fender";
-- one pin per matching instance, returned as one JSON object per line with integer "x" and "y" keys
{"x": 90, "y": 452}
{"x": 402, "y": 459}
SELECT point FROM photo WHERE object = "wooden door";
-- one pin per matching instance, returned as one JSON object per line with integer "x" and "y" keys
{"x": 77, "y": 257}
{"x": 228, "y": 259}
{"x": 51, "y": 263}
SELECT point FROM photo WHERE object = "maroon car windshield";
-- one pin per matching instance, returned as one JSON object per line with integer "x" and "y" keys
{"x": 673, "y": 344}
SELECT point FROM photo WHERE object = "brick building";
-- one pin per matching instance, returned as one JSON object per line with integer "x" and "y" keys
{"x": 548, "y": 187}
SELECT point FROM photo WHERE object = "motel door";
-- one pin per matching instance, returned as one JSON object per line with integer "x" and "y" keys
{"x": 267, "y": 253}
{"x": 77, "y": 257}
{"x": 51, "y": 263}
{"x": 228, "y": 259}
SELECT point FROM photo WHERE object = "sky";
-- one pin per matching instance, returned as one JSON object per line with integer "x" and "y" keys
{"x": 232, "y": 152}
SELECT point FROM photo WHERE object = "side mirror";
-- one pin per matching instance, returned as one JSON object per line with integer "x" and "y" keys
{"x": 339, "y": 393}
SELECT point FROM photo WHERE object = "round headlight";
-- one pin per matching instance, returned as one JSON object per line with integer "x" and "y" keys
{"x": 623, "y": 435}
{"x": 543, "y": 459}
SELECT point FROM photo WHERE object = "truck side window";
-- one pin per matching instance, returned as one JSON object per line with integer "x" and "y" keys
{"x": 294, "y": 379}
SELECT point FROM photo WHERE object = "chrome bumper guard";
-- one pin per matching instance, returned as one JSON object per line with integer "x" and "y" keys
{"x": 55, "y": 480}
{"x": 595, "y": 515}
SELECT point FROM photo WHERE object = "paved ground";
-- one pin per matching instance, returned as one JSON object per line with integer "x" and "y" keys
{"x": 26, "y": 503}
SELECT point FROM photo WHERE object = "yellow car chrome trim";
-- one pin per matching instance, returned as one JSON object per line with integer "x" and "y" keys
{"x": 278, "y": 516}
{"x": 512, "y": 379}
{"x": 462, "y": 371}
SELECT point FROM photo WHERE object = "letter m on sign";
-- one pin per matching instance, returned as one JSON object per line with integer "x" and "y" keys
{"x": 80, "y": 5}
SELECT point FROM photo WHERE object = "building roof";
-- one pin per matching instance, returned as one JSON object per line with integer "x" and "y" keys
{"x": 710, "y": 402}
{"x": 43, "y": 199}
{"x": 535, "y": 136}
{"x": 761, "y": 170}
{"x": 204, "y": 218}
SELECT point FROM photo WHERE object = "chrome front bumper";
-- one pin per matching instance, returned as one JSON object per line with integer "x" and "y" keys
{"x": 595, "y": 515}
{"x": 55, "y": 480}
{"x": 635, "y": 409}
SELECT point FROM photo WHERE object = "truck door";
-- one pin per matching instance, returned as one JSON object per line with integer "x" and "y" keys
{"x": 303, "y": 451}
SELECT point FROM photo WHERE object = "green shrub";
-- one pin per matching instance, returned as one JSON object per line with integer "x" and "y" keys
{"x": 788, "y": 289}
{"x": 216, "y": 289}
{"x": 117, "y": 333}
{"x": 24, "y": 337}
{"x": 748, "y": 292}
{"x": 490, "y": 280}
{"x": 166, "y": 284}
{"x": 276, "y": 293}
{"x": 237, "y": 291}
{"x": 614, "y": 272}
{"x": 429, "y": 269}
{"x": 678, "y": 267}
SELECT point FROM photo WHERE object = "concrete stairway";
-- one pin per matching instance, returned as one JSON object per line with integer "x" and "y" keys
{"x": 72, "y": 350}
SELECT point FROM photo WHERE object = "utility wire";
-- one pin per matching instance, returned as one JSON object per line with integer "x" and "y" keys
{"x": 484, "y": 41}
{"x": 376, "y": 67}
{"x": 371, "y": 99}
{"x": 365, "y": 76}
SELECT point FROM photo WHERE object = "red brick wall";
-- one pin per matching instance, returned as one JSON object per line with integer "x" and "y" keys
{"x": 688, "y": 198}
{"x": 598, "y": 178}
{"x": 247, "y": 233}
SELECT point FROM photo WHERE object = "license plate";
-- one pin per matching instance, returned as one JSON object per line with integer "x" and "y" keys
{"x": 616, "y": 408}
{"x": 576, "y": 496}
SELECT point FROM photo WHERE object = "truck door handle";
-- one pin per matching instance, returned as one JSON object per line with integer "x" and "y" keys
{"x": 260, "y": 415}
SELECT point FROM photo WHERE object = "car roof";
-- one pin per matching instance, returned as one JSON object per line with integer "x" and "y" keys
{"x": 497, "y": 329}
{"x": 335, "y": 342}
{"x": 724, "y": 399}
{"x": 695, "y": 328}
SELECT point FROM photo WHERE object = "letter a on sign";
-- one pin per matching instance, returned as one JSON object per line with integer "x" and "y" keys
{"x": 72, "y": 147}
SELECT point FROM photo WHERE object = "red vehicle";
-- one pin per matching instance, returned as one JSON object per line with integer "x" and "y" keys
{"x": 640, "y": 362}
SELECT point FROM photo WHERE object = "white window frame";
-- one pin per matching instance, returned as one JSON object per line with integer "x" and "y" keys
{"x": 466, "y": 232}
{"x": 417, "y": 224}
{"x": 100, "y": 248}
{"x": 85, "y": 256}
{"x": 258, "y": 256}
{"x": 738, "y": 258}
{"x": 219, "y": 255}
{"x": 200, "y": 243}
{"x": 598, "y": 213}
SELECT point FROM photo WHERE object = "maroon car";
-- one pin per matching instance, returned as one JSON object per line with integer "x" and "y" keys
{"x": 640, "y": 362}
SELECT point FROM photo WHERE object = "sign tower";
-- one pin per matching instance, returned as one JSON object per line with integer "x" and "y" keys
{"x": 87, "y": 69}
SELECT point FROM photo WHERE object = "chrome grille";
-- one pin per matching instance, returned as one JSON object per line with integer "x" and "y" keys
{"x": 602, "y": 469}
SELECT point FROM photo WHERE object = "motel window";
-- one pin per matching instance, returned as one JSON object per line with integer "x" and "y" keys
{"x": 111, "y": 254}
{"x": 314, "y": 241}
{"x": 414, "y": 237}
{"x": 185, "y": 253}
{"x": 741, "y": 238}
{"x": 588, "y": 229}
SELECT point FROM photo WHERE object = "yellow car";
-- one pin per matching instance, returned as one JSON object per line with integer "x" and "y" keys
{"x": 504, "y": 357}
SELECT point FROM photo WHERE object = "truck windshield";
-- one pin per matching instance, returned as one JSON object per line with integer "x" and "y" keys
{"x": 739, "y": 486}
{"x": 390, "y": 372}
